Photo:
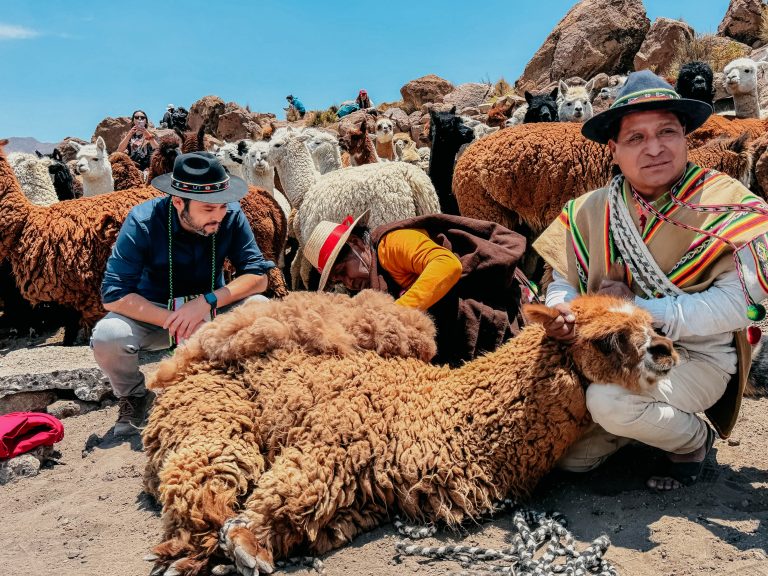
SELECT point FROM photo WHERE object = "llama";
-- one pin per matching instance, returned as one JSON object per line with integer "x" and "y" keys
{"x": 447, "y": 134}
{"x": 575, "y": 102}
{"x": 356, "y": 142}
{"x": 34, "y": 178}
{"x": 63, "y": 180}
{"x": 94, "y": 167}
{"x": 302, "y": 423}
{"x": 385, "y": 130}
{"x": 696, "y": 82}
{"x": 741, "y": 83}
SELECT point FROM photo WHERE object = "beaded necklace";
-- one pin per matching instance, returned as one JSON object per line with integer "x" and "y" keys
{"x": 170, "y": 257}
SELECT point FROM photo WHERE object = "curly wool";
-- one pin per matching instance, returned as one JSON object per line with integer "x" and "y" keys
{"x": 288, "y": 406}
{"x": 527, "y": 173}
{"x": 124, "y": 172}
{"x": 34, "y": 178}
{"x": 718, "y": 126}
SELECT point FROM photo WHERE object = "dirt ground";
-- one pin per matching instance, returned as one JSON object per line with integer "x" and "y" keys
{"x": 86, "y": 515}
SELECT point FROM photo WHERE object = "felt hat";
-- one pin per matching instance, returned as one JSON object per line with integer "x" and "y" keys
{"x": 327, "y": 240}
{"x": 200, "y": 176}
{"x": 644, "y": 91}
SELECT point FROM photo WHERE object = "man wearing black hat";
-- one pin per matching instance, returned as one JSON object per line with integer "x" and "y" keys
{"x": 642, "y": 237}
{"x": 164, "y": 277}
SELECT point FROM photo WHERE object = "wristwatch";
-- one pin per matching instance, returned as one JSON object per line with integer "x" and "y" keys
{"x": 211, "y": 299}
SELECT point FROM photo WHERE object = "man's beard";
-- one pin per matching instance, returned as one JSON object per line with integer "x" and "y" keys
{"x": 198, "y": 229}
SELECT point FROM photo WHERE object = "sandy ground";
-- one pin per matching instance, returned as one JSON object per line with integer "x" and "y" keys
{"x": 85, "y": 513}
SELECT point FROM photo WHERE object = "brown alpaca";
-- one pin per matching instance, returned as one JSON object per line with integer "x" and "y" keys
{"x": 718, "y": 126}
{"x": 301, "y": 423}
{"x": 124, "y": 172}
{"x": 163, "y": 158}
{"x": 359, "y": 145}
{"x": 499, "y": 113}
{"x": 385, "y": 146}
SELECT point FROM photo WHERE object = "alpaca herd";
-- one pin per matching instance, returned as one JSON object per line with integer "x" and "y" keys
{"x": 298, "y": 423}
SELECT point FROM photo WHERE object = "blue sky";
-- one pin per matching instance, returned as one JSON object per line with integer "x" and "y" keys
{"x": 67, "y": 65}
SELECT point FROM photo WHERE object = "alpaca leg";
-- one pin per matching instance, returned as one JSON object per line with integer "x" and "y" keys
{"x": 302, "y": 500}
{"x": 478, "y": 203}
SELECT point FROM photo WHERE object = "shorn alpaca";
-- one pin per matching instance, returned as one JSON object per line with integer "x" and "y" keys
{"x": 447, "y": 133}
{"x": 297, "y": 425}
{"x": 94, "y": 167}
{"x": 741, "y": 83}
{"x": 575, "y": 102}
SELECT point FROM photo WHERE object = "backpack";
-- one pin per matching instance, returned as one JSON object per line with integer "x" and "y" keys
{"x": 347, "y": 109}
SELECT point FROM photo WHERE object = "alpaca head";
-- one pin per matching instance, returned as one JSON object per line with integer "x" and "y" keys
{"x": 316, "y": 139}
{"x": 256, "y": 157}
{"x": 354, "y": 139}
{"x": 575, "y": 102}
{"x": 385, "y": 130}
{"x": 741, "y": 76}
{"x": 615, "y": 342}
{"x": 696, "y": 81}
{"x": 231, "y": 155}
{"x": 63, "y": 181}
{"x": 541, "y": 108}
{"x": 448, "y": 128}
{"x": 92, "y": 159}
{"x": 280, "y": 145}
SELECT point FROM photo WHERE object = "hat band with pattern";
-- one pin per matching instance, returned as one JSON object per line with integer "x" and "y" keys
{"x": 649, "y": 95}
{"x": 202, "y": 188}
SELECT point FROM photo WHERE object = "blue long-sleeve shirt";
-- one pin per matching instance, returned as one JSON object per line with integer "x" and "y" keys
{"x": 298, "y": 105}
{"x": 139, "y": 260}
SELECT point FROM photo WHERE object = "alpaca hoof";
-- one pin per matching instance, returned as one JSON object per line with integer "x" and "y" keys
{"x": 239, "y": 544}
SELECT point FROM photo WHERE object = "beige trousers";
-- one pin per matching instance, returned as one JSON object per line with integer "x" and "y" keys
{"x": 664, "y": 417}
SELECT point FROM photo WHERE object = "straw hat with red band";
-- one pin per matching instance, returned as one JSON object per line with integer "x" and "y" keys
{"x": 200, "y": 176}
{"x": 327, "y": 240}
{"x": 645, "y": 91}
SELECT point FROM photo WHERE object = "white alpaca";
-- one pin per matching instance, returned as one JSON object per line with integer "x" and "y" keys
{"x": 34, "y": 178}
{"x": 260, "y": 173}
{"x": 741, "y": 83}
{"x": 325, "y": 150}
{"x": 385, "y": 131}
{"x": 94, "y": 167}
{"x": 575, "y": 102}
{"x": 390, "y": 190}
{"x": 231, "y": 155}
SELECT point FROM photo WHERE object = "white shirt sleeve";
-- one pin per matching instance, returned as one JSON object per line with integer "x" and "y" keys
{"x": 719, "y": 309}
{"x": 559, "y": 291}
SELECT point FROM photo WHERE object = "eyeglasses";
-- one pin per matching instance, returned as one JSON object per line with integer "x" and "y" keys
{"x": 139, "y": 117}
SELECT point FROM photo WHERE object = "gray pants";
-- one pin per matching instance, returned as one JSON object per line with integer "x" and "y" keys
{"x": 116, "y": 342}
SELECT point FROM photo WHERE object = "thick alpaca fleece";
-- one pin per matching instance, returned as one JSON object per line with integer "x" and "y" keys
{"x": 58, "y": 253}
{"x": 574, "y": 102}
{"x": 356, "y": 142}
{"x": 192, "y": 141}
{"x": 318, "y": 418}
{"x": 718, "y": 126}
{"x": 730, "y": 156}
{"x": 526, "y": 174}
{"x": 231, "y": 155}
{"x": 696, "y": 81}
{"x": 169, "y": 147}
{"x": 741, "y": 83}
{"x": 94, "y": 168}
{"x": 385, "y": 130}
{"x": 125, "y": 174}
{"x": 34, "y": 178}
{"x": 325, "y": 150}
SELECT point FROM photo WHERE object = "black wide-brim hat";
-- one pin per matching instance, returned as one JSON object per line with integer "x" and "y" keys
{"x": 200, "y": 176}
{"x": 645, "y": 91}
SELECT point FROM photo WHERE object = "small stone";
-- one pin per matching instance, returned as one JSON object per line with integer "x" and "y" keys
{"x": 22, "y": 466}
{"x": 73, "y": 554}
{"x": 733, "y": 441}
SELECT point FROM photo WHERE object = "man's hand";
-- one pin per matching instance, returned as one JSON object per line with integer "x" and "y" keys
{"x": 185, "y": 321}
{"x": 615, "y": 288}
{"x": 562, "y": 327}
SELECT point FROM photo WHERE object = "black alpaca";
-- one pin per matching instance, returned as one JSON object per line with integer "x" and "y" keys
{"x": 447, "y": 133}
{"x": 541, "y": 108}
{"x": 695, "y": 81}
{"x": 63, "y": 182}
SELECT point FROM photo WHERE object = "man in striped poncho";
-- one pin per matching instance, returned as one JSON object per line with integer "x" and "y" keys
{"x": 634, "y": 238}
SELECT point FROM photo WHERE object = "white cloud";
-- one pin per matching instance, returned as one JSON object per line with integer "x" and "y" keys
{"x": 11, "y": 32}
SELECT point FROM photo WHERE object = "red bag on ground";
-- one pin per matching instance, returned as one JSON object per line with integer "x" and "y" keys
{"x": 20, "y": 432}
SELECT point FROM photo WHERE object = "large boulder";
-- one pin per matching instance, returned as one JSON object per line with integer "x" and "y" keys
{"x": 469, "y": 95}
{"x": 112, "y": 130}
{"x": 68, "y": 151}
{"x": 594, "y": 36}
{"x": 743, "y": 21}
{"x": 661, "y": 44}
{"x": 399, "y": 118}
{"x": 206, "y": 111}
{"x": 354, "y": 119}
{"x": 237, "y": 123}
{"x": 428, "y": 88}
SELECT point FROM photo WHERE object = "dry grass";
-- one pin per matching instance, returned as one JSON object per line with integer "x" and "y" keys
{"x": 384, "y": 106}
{"x": 321, "y": 117}
{"x": 713, "y": 50}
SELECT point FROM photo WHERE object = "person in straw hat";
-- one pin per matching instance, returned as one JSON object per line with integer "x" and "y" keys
{"x": 621, "y": 240}
{"x": 164, "y": 277}
{"x": 460, "y": 270}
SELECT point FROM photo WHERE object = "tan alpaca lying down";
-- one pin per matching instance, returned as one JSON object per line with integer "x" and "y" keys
{"x": 304, "y": 422}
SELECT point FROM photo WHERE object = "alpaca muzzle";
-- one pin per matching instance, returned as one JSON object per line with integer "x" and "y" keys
{"x": 660, "y": 356}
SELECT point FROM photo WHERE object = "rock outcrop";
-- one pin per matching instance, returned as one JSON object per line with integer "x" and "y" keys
{"x": 430, "y": 88}
{"x": 661, "y": 44}
{"x": 743, "y": 21}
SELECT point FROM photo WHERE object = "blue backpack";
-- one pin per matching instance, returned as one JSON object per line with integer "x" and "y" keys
{"x": 347, "y": 109}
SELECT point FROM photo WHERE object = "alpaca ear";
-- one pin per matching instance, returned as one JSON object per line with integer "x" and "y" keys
{"x": 75, "y": 145}
{"x": 242, "y": 147}
{"x": 589, "y": 87}
{"x": 553, "y": 94}
{"x": 57, "y": 155}
{"x": 39, "y": 154}
{"x": 452, "y": 110}
{"x": 100, "y": 144}
{"x": 528, "y": 96}
{"x": 364, "y": 126}
{"x": 562, "y": 87}
{"x": 539, "y": 313}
